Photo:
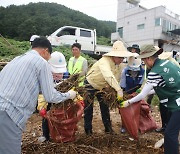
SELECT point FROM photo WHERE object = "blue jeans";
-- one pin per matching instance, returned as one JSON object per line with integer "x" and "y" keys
{"x": 171, "y": 143}
{"x": 88, "y": 112}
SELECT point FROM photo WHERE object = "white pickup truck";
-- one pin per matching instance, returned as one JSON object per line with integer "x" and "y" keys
{"x": 67, "y": 35}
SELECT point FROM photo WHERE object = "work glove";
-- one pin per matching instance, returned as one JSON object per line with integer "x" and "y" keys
{"x": 120, "y": 95}
{"x": 79, "y": 99}
{"x": 124, "y": 104}
{"x": 72, "y": 94}
{"x": 138, "y": 90}
{"x": 42, "y": 105}
{"x": 42, "y": 112}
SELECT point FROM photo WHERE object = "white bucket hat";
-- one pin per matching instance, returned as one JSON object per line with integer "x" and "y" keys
{"x": 134, "y": 63}
{"x": 149, "y": 50}
{"x": 118, "y": 50}
{"x": 58, "y": 62}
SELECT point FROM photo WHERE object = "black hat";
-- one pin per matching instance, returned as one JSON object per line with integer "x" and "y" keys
{"x": 134, "y": 46}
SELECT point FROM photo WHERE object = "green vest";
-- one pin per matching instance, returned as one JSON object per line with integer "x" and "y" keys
{"x": 170, "y": 93}
{"x": 77, "y": 68}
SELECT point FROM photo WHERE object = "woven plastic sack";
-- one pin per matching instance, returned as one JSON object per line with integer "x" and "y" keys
{"x": 146, "y": 121}
{"x": 130, "y": 119}
{"x": 63, "y": 122}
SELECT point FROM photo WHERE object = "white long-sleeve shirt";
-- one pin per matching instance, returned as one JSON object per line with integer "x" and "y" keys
{"x": 153, "y": 80}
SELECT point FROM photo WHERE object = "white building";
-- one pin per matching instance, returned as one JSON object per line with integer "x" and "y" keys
{"x": 138, "y": 25}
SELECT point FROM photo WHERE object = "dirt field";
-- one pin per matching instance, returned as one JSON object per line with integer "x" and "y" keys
{"x": 98, "y": 143}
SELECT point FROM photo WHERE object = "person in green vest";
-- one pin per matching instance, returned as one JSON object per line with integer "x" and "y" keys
{"x": 77, "y": 63}
{"x": 164, "y": 79}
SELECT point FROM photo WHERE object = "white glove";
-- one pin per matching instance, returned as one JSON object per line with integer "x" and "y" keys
{"x": 72, "y": 94}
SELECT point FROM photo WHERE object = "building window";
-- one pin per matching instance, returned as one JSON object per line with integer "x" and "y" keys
{"x": 157, "y": 21}
{"x": 141, "y": 26}
{"x": 85, "y": 33}
{"x": 120, "y": 30}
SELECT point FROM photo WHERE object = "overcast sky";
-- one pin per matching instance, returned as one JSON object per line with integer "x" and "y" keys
{"x": 100, "y": 9}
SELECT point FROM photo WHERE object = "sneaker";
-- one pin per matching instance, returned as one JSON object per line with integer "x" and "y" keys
{"x": 123, "y": 130}
{"x": 41, "y": 139}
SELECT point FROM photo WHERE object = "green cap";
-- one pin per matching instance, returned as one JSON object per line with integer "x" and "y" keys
{"x": 149, "y": 50}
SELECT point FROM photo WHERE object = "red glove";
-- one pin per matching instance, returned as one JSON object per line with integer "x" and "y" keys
{"x": 42, "y": 112}
{"x": 82, "y": 103}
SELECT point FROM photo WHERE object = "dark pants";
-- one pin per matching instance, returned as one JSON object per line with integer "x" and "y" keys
{"x": 88, "y": 112}
{"x": 165, "y": 115}
{"x": 171, "y": 143}
{"x": 45, "y": 127}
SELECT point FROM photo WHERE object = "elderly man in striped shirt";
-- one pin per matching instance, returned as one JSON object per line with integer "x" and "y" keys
{"x": 21, "y": 81}
{"x": 164, "y": 79}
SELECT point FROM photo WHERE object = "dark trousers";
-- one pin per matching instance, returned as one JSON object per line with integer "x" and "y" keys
{"x": 165, "y": 114}
{"x": 171, "y": 143}
{"x": 45, "y": 127}
{"x": 88, "y": 112}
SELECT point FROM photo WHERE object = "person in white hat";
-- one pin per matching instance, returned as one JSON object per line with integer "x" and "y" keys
{"x": 132, "y": 77}
{"x": 33, "y": 37}
{"x": 169, "y": 56}
{"x": 104, "y": 73}
{"x": 164, "y": 79}
{"x": 58, "y": 65}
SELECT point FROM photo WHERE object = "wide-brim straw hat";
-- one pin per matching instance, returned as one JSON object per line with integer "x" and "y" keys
{"x": 165, "y": 55}
{"x": 149, "y": 50}
{"x": 118, "y": 50}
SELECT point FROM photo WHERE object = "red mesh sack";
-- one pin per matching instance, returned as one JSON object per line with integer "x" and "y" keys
{"x": 146, "y": 121}
{"x": 63, "y": 122}
{"x": 130, "y": 118}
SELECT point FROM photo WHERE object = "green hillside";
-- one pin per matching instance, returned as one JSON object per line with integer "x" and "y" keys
{"x": 20, "y": 22}
{"x": 10, "y": 48}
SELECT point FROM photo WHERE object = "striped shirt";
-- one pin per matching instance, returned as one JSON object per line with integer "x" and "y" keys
{"x": 20, "y": 83}
{"x": 155, "y": 80}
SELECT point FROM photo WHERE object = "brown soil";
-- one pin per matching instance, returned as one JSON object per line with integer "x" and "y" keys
{"x": 99, "y": 142}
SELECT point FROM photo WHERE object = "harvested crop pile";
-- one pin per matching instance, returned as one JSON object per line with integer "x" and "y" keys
{"x": 68, "y": 84}
{"x": 110, "y": 97}
{"x": 107, "y": 144}
{"x": 96, "y": 144}
{"x": 63, "y": 117}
